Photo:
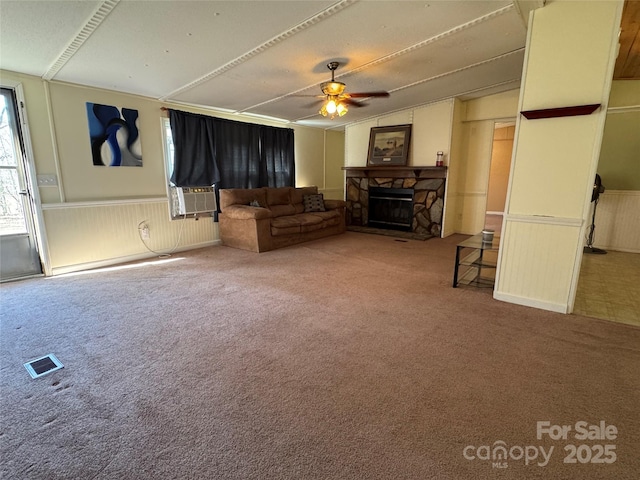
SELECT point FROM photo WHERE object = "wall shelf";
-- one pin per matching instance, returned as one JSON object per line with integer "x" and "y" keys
{"x": 561, "y": 112}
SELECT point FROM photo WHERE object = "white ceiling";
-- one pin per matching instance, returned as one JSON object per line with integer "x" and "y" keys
{"x": 263, "y": 57}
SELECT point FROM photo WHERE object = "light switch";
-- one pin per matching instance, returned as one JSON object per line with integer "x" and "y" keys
{"x": 47, "y": 180}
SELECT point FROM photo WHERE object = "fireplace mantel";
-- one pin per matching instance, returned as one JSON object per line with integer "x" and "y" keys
{"x": 388, "y": 171}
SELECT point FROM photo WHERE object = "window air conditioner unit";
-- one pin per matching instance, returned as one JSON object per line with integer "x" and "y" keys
{"x": 192, "y": 200}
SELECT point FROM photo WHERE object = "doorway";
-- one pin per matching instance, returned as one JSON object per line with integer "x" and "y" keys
{"x": 19, "y": 256}
{"x": 502, "y": 148}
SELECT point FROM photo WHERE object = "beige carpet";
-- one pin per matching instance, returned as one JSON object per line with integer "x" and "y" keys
{"x": 345, "y": 358}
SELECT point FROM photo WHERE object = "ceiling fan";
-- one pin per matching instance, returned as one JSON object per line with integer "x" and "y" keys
{"x": 336, "y": 100}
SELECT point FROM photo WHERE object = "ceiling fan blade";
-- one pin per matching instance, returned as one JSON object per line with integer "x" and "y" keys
{"x": 353, "y": 103}
{"x": 369, "y": 94}
{"x": 315, "y": 103}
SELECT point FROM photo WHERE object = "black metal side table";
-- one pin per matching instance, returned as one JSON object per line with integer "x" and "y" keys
{"x": 476, "y": 262}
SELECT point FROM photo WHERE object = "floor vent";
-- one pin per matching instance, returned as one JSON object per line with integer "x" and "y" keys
{"x": 43, "y": 365}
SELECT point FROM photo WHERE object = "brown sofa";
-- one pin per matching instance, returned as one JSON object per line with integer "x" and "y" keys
{"x": 262, "y": 219}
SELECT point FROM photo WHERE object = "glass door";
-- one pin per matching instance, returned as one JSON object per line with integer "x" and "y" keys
{"x": 18, "y": 248}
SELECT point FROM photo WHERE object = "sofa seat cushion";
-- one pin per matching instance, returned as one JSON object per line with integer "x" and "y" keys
{"x": 246, "y": 212}
{"x": 296, "y": 224}
{"x": 328, "y": 215}
{"x": 310, "y": 223}
{"x": 285, "y": 225}
{"x": 329, "y": 218}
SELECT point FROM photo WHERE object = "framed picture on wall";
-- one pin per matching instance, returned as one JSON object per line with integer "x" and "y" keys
{"x": 389, "y": 145}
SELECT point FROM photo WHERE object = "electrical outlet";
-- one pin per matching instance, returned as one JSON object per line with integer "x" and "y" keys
{"x": 144, "y": 231}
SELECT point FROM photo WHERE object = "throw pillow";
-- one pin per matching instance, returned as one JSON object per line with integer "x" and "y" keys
{"x": 313, "y": 203}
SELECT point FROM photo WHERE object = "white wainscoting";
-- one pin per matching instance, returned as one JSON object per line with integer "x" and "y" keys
{"x": 85, "y": 235}
{"x": 618, "y": 221}
{"x": 534, "y": 242}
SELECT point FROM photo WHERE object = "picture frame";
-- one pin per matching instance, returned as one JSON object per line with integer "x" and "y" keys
{"x": 389, "y": 145}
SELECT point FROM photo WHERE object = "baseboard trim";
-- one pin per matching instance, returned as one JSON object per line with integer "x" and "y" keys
{"x": 613, "y": 248}
{"x": 110, "y": 262}
{"x": 530, "y": 302}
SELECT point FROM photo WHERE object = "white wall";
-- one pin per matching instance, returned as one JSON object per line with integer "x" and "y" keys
{"x": 431, "y": 132}
{"x": 91, "y": 216}
{"x": 501, "y": 106}
{"x": 334, "y": 179}
{"x": 464, "y": 132}
{"x": 432, "y": 128}
{"x": 95, "y": 234}
{"x": 618, "y": 164}
{"x": 453, "y": 207}
{"x": 476, "y": 143}
{"x": 474, "y": 177}
{"x": 618, "y": 221}
{"x": 500, "y": 165}
{"x": 309, "y": 153}
{"x": 618, "y": 212}
{"x": 356, "y": 143}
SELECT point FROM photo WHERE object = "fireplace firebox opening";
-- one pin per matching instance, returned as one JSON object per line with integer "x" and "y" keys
{"x": 391, "y": 208}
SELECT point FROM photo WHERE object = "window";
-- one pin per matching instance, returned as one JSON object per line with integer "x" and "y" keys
{"x": 200, "y": 204}
{"x": 232, "y": 154}
{"x": 12, "y": 205}
{"x": 169, "y": 155}
{"x": 169, "y": 151}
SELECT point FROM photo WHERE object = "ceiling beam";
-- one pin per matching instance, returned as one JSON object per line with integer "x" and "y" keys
{"x": 332, "y": 10}
{"x": 103, "y": 10}
{"x": 524, "y": 7}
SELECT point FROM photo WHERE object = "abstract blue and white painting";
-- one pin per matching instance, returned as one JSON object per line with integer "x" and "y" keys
{"x": 114, "y": 134}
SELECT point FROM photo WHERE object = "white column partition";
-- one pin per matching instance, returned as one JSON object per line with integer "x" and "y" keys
{"x": 571, "y": 51}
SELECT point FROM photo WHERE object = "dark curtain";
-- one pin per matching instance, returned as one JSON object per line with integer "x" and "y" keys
{"x": 238, "y": 154}
{"x": 194, "y": 147}
{"x": 230, "y": 154}
{"x": 277, "y": 162}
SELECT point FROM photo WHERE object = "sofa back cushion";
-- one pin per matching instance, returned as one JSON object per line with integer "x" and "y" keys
{"x": 279, "y": 196}
{"x": 313, "y": 203}
{"x": 282, "y": 210}
{"x": 297, "y": 197}
{"x": 242, "y": 196}
{"x": 279, "y": 201}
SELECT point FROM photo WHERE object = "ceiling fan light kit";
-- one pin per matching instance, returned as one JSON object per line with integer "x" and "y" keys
{"x": 331, "y": 108}
{"x": 336, "y": 100}
{"x": 332, "y": 88}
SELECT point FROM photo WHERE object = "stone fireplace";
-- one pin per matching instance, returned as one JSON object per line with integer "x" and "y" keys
{"x": 426, "y": 183}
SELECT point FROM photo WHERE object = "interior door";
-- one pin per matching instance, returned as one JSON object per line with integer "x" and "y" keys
{"x": 19, "y": 255}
